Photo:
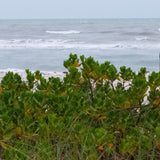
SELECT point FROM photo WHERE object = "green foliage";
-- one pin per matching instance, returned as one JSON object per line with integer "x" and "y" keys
{"x": 95, "y": 112}
{"x": 126, "y": 73}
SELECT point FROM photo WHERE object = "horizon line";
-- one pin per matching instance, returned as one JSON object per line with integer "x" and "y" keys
{"x": 75, "y": 18}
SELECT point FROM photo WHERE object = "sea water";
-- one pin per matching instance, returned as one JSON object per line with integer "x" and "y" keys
{"x": 45, "y": 44}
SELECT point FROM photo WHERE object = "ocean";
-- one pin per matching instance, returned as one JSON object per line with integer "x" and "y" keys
{"x": 44, "y": 44}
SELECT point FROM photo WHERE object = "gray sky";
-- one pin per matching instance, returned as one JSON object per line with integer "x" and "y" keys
{"x": 21, "y": 9}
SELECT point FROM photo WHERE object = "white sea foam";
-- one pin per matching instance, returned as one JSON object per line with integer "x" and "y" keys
{"x": 64, "y": 32}
{"x": 31, "y": 43}
{"x": 141, "y": 38}
{"x": 71, "y": 44}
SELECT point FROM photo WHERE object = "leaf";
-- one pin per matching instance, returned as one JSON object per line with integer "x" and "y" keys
{"x": 101, "y": 118}
{"x": 98, "y": 83}
{"x": 76, "y": 64}
{"x": 129, "y": 144}
{"x": 1, "y": 89}
{"x": 3, "y": 145}
{"x": 18, "y": 131}
{"x": 123, "y": 130}
{"x": 27, "y": 112}
{"x": 104, "y": 78}
{"x": 100, "y": 148}
{"x": 110, "y": 145}
{"x": 92, "y": 156}
{"x": 61, "y": 117}
{"x": 117, "y": 132}
{"x": 158, "y": 146}
{"x": 31, "y": 135}
{"x": 156, "y": 102}
{"x": 64, "y": 93}
{"x": 127, "y": 104}
{"x": 81, "y": 80}
{"x": 77, "y": 138}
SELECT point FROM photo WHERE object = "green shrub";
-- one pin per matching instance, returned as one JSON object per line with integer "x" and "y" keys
{"x": 95, "y": 112}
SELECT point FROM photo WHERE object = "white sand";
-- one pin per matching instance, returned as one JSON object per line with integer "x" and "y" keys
{"x": 22, "y": 73}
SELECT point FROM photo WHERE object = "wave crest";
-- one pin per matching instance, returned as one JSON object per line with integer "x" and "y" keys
{"x": 141, "y": 38}
{"x": 64, "y": 32}
{"x": 71, "y": 44}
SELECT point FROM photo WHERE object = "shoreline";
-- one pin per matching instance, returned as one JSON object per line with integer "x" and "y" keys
{"x": 22, "y": 73}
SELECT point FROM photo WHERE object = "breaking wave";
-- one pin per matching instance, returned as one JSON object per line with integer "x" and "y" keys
{"x": 64, "y": 32}
{"x": 71, "y": 44}
{"x": 141, "y": 38}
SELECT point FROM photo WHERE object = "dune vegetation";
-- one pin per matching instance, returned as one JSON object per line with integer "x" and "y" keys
{"x": 95, "y": 112}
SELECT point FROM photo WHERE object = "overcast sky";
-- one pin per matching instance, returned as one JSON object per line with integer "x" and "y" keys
{"x": 22, "y": 9}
